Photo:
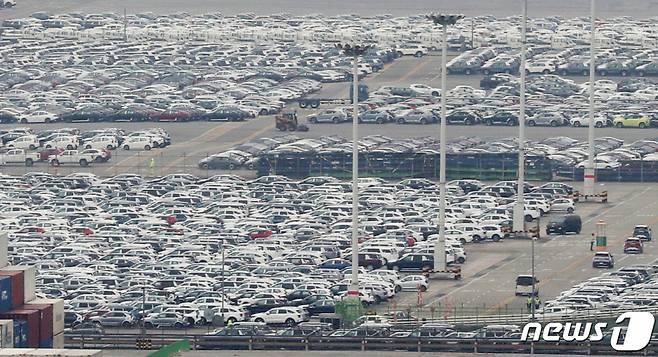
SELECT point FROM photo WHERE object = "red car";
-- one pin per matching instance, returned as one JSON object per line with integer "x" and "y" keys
{"x": 262, "y": 233}
{"x": 45, "y": 154}
{"x": 633, "y": 245}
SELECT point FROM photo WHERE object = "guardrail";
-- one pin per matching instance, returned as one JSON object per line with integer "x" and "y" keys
{"x": 208, "y": 342}
{"x": 592, "y": 315}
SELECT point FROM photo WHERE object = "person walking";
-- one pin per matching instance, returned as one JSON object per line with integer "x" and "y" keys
{"x": 591, "y": 244}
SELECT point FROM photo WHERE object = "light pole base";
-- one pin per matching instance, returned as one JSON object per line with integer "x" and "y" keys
{"x": 589, "y": 183}
{"x": 518, "y": 219}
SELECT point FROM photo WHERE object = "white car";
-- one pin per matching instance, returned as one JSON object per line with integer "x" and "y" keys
{"x": 544, "y": 67}
{"x": 601, "y": 163}
{"x": 139, "y": 143}
{"x": 62, "y": 142}
{"x": 73, "y": 157}
{"x": 280, "y": 315}
{"x": 413, "y": 283}
{"x": 426, "y": 90}
{"x": 599, "y": 121}
{"x": 24, "y": 142}
{"x": 493, "y": 232}
{"x": 40, "y": 116}
{"x": 411, "y": 50}
{"x": 562, "y": 205}
{"x": 102, "y": 142}
{"x": 18, "y": 156}
{"x": 231, "y": 314}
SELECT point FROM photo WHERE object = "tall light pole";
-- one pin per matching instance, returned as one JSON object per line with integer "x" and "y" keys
{"x": 589, "y": 178}
{"x": 519, "y": 208}
{"x": 355, "y": 51}
{"x": 440, "y": 245}
{"x": 534, "y": 280}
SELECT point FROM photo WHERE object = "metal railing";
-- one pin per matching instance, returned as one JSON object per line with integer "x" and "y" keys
{"x": 208, "y": 342}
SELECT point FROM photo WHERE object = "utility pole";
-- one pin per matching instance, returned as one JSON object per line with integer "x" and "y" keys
{"x": 221, "y": 289}
{"x": 518, "y": 221}
{"x": 534, "y": 280}
{"x": 440, "y": 245}
{"x": 355, "y": 51}
{"x": 589, "y": 178}
{"x": 125, "y": 25}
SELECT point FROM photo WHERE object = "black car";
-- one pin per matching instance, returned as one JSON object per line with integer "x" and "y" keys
{"x": 491, "y": 82}
{"x": 649, "y": 69}
{"x": 506, "y": 65}
{"x": 413, "y": 262}
{"x": 501, "y": 118}
{"x": 462, "y": 117}
{"x": 322, "y": 306}
{"x": 262, "y": 305}
{"x": 227, "y": 114}
{"x": 570, "y": 223}
{"x": 614, "y": 68}
{"x": 642, "y": 232}
{"x": 574, "y": 67}
{"x": 470, "y": 66}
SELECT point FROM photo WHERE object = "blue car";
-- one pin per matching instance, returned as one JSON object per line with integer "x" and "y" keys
{"x": 336, "y": 264}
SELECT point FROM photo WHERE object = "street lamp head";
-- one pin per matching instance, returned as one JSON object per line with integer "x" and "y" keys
{"x": 354, "y": 49}
{"x": 445, "y": 19}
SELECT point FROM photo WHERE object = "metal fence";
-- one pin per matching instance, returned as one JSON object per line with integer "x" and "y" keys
{"x": 208, "y": 342}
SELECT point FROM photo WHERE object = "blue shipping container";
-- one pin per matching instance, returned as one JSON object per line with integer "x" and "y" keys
{"x": 5, "y": 293}
{"x": 20, "y": 334}
{"x": 47, "y": 343}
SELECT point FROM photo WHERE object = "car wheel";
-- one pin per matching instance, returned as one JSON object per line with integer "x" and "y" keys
{"x": 642, "y": 125}
{"x": 576, "y": 124}
{"x": 619, "y": 125}
{"x": 29, "y": 162}
{"x": 380, "y": 121}
{"x": 396, "y": 268}
{"x": 624, "y": 73}
{"x": 263, "y": 112}
{"x": 259, "y": 320}
{"x": 435, "y": 94}
{"x": 531, "y": 123}
{"x": 231, "y": 320}
{"x": 640, "y": 73}
{"x": 84, "y": 162}
{"x": 468, "y": 121}
{"x": 461, "y": 260}
{"x": 126, "y": 147}
{"x": 553, "y": 123}
{"x": 489, "y": 122}
{"x": 148, "y": 325}
{"x": 598, "y": 124}
{"x": 32, "y": 147}
{"x": 109, "y": 147}
{"x": 419, "y": 54}
{"x": 69, "y": 147}
{"x": 603, "y": 73}
{"x": 569, "y": 210}
{"x": 486, "y": 72}
{"x": 462, "y": 240}
{"x": 178, "y": 325}
{"x": 54, "y": 162}
{"x": 467, "y": 71}
{"x": 290, "y": 322}
{"x": 511, "y": 122}
{"x": 147, "y": 147}
{"x": 476, "y": 238}
{"x": 528, "y": 218}
{"x": 585, "y": 72}
{"x": 423, "y": 288}
{"x": 87, "y": 147}
{"x": 312, "y": 120}
{"x": 400, "y": 54}
{"x": 125, "y": 324}
{"x": 423, "y": 121}
{"x": 401, "y": 121}
{"x": 231, "y": 166}
{"x": 334, "y": 120}
{"x": 23, "y": 121}
{"x": 546, "y": 71}
{"x": 398, "y": 288}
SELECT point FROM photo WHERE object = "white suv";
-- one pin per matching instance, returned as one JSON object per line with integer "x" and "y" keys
{"x": 139, "y": 143}
{"x": 411, "y": 50}
{"x": 280, "y": 315}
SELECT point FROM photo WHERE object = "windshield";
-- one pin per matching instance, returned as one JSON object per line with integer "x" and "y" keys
{"x": 524, "y": 280}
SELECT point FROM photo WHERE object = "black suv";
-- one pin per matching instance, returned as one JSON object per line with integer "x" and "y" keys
{"x": 502, "y": 118}
{"x": 570, "y": 223}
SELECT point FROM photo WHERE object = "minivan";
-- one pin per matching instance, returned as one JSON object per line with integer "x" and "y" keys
{"x": 570, "y": 223}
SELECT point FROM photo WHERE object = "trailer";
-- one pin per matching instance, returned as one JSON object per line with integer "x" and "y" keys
{"x": 7, "y": 3}
{"x": 316, "y": 101}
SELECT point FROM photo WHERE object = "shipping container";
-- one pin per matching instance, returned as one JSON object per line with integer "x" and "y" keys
{"x": 17, "y": 287}
{"x": 58, "y": 340}
{"x": 6, "y": 333}
{"x": 5, "y": 293}
{"x": 29, "y": 280}
{"x": 20, "y": 334}
{"x": 58, "y": 312}
{"x": 45, "y": 323}
{"x": 32, "y": 318}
